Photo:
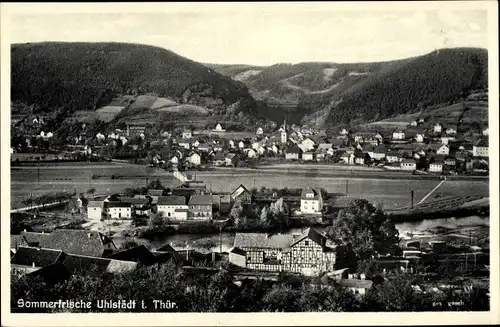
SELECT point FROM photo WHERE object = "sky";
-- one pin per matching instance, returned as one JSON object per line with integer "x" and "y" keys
{"x": 267, "y": 37}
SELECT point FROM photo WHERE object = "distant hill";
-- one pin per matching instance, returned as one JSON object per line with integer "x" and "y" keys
{"x": 328, "y": 94}
{"x": 71, "y": 77}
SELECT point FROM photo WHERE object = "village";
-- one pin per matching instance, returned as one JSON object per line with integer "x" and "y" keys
{"x": 438, "y": 149}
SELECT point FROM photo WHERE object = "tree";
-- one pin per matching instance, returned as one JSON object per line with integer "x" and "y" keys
{"x": 264, "y": 215}
{"x": 366, "y": 228}
{"x": 236, "y": 212}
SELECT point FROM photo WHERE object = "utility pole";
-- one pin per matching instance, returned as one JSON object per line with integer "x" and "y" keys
{"x": 346, "y": 186}
{"x": 220, "y": 240}
{"x": 38, "y": 175}
{"x": 411, "y": 196}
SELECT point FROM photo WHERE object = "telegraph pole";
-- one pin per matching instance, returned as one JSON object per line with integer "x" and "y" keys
{"x": 411, "y": 196}
{"x": 38, "y": 175}
{"x": 346, "y": 186}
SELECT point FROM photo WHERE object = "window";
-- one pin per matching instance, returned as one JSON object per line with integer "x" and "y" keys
{"x": 306, "y": 243}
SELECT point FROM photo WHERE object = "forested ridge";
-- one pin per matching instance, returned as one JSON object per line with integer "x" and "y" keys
{"x": 82, "y": 76}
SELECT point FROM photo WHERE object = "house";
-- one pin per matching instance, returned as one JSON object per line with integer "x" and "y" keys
{"x": 292, "y": 152}
{"x": 451, "y": 130}
{"x": 413, "y": 123}
{"x": 481, "y": 148}
{"x": 443, "y": 149}
{"x": 194, "y": 159}
{"x": 360, "y": 158}
{"x": 308, "y": 156}
{"x": 436, "y": 166}
{"x": 242, "y": 194}
{"x": 450, "y": 161}
{"x": 135, "y": 129}
{"x": 238, "y": 257}
{"x": 30, "y": 259}
{"x": 356, "y": 286}
{"x": 89, "y": 265}
{"x": 79, "y": 241}
{"x": 445, "y": 139}
{"x": 307, "y": 144}
{"x": 187, "y": 134}
{"x": 408, "y": 164}
{"x": 259, "y": 131}
{"x": 200, "y": 207}
{"x": 437, "y": 128}
{"x": 139, "y": 254}
{"x": 204, "y": 147}
{"x": 379, "y": 152}
{"x": 344, "y": 132}
{"x": 219, "y": 159}
{"x": 219, "y": 128}
{"x": 231, "y": 160}
{"x": 262, "y": 252}
{"x": 95, "y": 210}
{"x": 155, "y": 194}
{"x": 251, "y": 153}
{"x": 419, "y": 137}
{"x": 398, "y": 135}
{"x": 486, "y": 131}
{"x": 120, "y": 210}
{"x": 347, "y": 158}
{"x": 172, "y": 207}
{"x": 311, "y": 253}
{"x": 311, "y": 201}
{"x": 185, "y": 143}
{"x": 140, "y": 205}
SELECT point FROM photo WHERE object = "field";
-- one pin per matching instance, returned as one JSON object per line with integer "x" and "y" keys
{"x": 389, "y": 193}
{"x": 108, "y": 113}
{"x": 185, "y": 108}
{"x": 163, "y": 102}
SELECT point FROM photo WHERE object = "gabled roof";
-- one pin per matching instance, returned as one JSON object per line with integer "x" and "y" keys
{"x": 237, "y": 250}
{"x": 220, "y": 156}
{"x": 262, "y": 240}
{"x": 380, "y": 149}
{"x": 17, "y": 241}
{"x": 136, "y": 201}
{"x": 482, "y": 143}
{"x": 74, "y": 241}
{"x": 201, "y": 200}
{"x": 408, "y": 161}
{"x": 33, "y": 238}
{"x": 293, "y": 149}
{"x": 138, "y": 254}
{"x": 81, "y": 264}
{"x": 313, "y": 235}
{"x": 26, "y": 256}
{"x": 172, "y": 200}
{"x": 95, "y": 204}
{"x": 167, "y": 248}
{"x": 309, "y": 190}
{"x": 155, "y": 192}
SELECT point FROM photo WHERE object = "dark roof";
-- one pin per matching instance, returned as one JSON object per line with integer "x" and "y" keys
{"x": 172, "y": 200}
{"x": 220, "y": 156}
{"x": 408, "y": 161}
{"x": 17, "y": 241}
{"x": 262, "y": 240}
{"x": 53, "y": 273}
{"x": 155, "y": 192}
{"x": 77, "y": 264}
{"x": 119, "y": 204}
{"x": 34, "y": 239}
{"x": 167, "y": 248}
{"x": 313, "y": 235}
{"x": 26, "y": 256}
{"x": 138, "y": 254}
{"x": 184, "y": 191}
{"x": 380, "y": 149}
{"x": 482, "y": 143}
{"x": 76, "y": 241}
{"x": 135, "y": 200}
{"x": 162, "y": 257}
{"x": 201, "y": 200}
{"x": 239, "y": 251}
{"x": 293, "y": 149}
{"x": 310, "y": 190}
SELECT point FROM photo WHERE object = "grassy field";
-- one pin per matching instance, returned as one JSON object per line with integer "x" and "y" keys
{"x": 185, "y": 108}
{"x": 163, "y": 102}
{"x": 388, "y": 193}
{"x": 108, "y": 113}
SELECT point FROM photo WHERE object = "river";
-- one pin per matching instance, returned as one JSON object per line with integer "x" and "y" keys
{"x": 179, "y": 241}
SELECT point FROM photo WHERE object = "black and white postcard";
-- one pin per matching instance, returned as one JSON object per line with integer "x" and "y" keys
{"x": 254, "y": 163}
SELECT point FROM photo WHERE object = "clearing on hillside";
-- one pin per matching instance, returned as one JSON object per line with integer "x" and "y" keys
{"x": 143, "y": 101}
{"x": 186, "y": 108}
{"x": 163, "y": 102}
{"x": 108, "y": 113}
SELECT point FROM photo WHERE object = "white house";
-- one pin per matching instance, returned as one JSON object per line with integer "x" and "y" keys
{"x": 398, "y": 135}
{"x": 480, "y": 149}
{"x": 436, "y": 167}
{"x": 251, "y": 153}
{"x": 408, "y": 164}
{"x": 231, "y": 143}
{"x": 241, "y": 145}
{"x": 219, "y": 128}
{"x": 451, "y": 130}
{"x": 120, "y": 210}
{"x": 443, "y": 149}
{"x": 173, "y": 207}
{"x": 307, "y": 144}
{"x": 94, "y": 210}
{"x": 311, "y": 201}
{"x": 486, "y": 131}
{"x": 260, "y": 131}
{"x": 187, "y": 134}
{"x": 195, "y": 159}
{"x": 438, "y": 128}
{"x": 419, "y": 138}
{"x": 447, "y": 139}
{"x": 347, "y": 158}
{"x": 344, "y": 132}
{"x": 283, "y": 137}
{"x": 308, "y": 156}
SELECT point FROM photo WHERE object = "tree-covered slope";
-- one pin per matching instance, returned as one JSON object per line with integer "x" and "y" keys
{"x": 88, "y": 75}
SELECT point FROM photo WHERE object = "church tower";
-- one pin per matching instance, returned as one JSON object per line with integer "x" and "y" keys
{"x": 283, "y": 133}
